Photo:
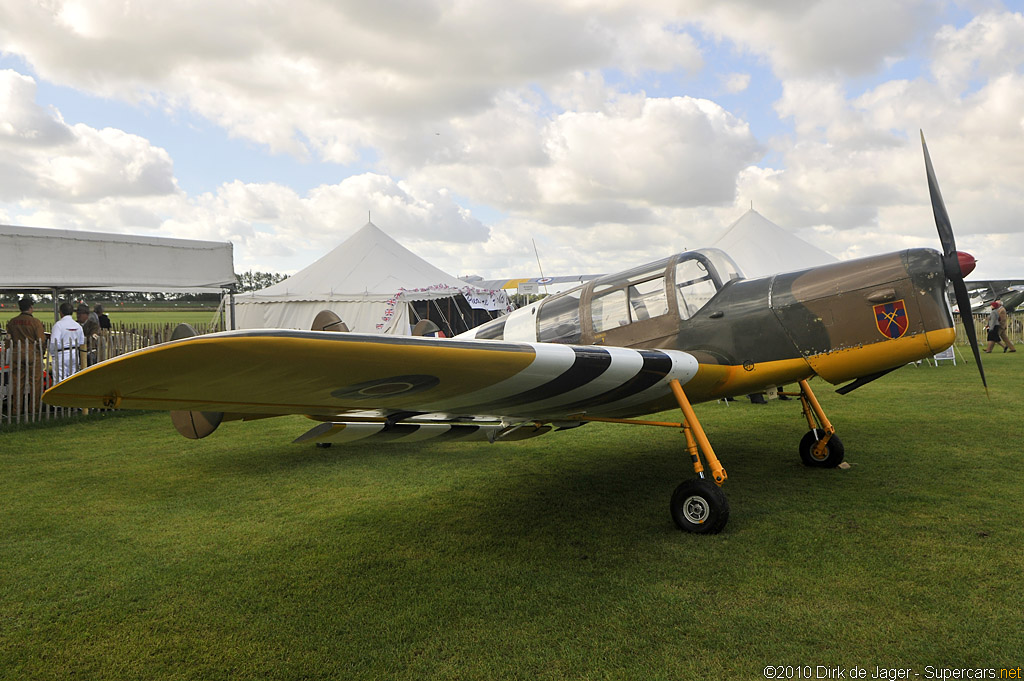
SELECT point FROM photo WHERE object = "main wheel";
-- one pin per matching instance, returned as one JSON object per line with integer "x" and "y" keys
{"x": 699, "y": 506}
{"x": 830, "y": 458}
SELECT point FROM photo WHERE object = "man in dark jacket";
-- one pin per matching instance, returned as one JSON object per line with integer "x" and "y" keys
{"x": 27, "y": 340}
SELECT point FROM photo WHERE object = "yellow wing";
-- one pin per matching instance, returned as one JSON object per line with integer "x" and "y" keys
{"x": 271, "y": 372}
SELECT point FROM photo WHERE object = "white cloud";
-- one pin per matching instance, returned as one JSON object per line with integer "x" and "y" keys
{"x": 670, "y": 152}
{"x": 736, "y": 82}
{"x": 78, "y": 177}
{"x": 821, "y": 37}
{"x": 23, "y": 122}
{"x": 42, "y": 157}
{"x": 316, "y": 77}
{"x": 283, "y": 230}
{"x": 856, "y": 173}
{"x": 990, "y": 45}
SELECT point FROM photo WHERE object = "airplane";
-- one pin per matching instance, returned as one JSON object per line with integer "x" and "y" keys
{"x": 983, "y": 292}
{"x": 682, "y": 330}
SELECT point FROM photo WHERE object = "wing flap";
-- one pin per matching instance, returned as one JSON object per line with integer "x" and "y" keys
{"x": 342, "y": 432}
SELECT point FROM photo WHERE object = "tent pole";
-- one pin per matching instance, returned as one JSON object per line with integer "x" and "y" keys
{"x": 443, "y": 319}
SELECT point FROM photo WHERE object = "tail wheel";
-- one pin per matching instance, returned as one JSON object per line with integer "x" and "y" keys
{"x": 830, "y": 458}
{"x": 699, "y": 506}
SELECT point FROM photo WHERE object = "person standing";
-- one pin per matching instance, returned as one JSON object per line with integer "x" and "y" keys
{"x": 103, "y": 319}
{"x": 90, "y": 323}
{"x": 103, "y": 342}
{"x": 993, "y": 328}
{"x": 27, "y": 338}
{"x": 66, "y": 338}
{"x": 1004, "y": 324}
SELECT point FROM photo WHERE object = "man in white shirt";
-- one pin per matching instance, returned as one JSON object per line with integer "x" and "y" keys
{"x": 66, "y": 337}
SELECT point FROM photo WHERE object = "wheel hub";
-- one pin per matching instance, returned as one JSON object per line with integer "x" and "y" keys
{"x": 696, "y": 509}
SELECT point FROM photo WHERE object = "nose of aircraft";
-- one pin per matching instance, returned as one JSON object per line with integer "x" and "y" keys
{"x": 967, "y": 263}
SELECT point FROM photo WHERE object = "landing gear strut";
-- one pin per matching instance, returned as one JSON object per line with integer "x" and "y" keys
{"x": 820, "y": 447}
{"x": 698, "y": 505}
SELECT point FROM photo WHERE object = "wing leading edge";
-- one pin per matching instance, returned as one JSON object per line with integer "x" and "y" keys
{"x": 327, "y": 374}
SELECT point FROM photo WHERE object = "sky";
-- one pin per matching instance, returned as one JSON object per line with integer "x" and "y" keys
{"x": 608, "y": 132}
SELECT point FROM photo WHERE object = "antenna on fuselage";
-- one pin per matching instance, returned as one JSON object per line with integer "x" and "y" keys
{"x": 538, "y": 262}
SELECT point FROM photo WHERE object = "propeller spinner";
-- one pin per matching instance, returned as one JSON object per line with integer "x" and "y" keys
{"x": 955, "y": 264}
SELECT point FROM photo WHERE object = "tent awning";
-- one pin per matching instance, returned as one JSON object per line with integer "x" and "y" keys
{"x": 39, "y": 259}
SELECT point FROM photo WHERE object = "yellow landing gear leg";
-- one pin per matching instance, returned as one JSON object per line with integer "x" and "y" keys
{"x": 698, "y": 505}
{"x": 820, "y": 447}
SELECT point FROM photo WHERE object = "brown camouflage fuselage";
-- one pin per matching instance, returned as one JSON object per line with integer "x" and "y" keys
{"x": 758, "y": 333}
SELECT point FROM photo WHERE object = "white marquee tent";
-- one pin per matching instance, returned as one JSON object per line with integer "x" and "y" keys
{"x": 41, "y": 259}
{"x": 762, "y": 248}
{"x": 370, "y": 281}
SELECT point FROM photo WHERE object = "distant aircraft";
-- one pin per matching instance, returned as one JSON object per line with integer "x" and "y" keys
{"x": 984, "y": 291}
{"x": 667, "y": 334}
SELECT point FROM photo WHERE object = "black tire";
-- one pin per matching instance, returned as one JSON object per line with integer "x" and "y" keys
{"x": 323, "y": 445}
{"x": 834, "y": 451}
{"x": 700, "y": 507}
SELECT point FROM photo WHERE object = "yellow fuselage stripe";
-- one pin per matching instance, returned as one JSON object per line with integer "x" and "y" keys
{"x": 714, "y": 381}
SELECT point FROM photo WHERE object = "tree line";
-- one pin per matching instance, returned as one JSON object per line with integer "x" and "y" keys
{"x": 246, "y": 281}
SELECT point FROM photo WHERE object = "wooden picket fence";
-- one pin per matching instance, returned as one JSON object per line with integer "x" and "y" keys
{"x": 28, "y": 368}
{"x": 1014, "y": 327}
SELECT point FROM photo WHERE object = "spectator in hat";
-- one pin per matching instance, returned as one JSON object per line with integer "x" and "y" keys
{"x": 26, "y": 340}
{"x": 90, "y": 323}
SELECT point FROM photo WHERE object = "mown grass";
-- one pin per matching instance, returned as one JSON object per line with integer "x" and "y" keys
{"x": 127, "y": 552}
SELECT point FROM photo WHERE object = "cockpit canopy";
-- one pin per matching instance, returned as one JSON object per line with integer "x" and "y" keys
{"x": 663, "y": 291}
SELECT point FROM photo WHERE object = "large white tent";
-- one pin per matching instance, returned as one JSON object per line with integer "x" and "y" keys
{"x": 762, "y": 248}
{"x": 370, "y": 281}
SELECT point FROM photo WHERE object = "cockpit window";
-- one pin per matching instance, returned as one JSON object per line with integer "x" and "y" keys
{"x": 629, "y": 297}
{"x": 609, "y": 310}
{"x": 694, "y": 287}
{"x": 647, "y": 299}
{"x": 723, "y": 267}
{"x": 699, "y": 276}
{"x": 492, "y": 330}
{"x": 558, "y": 320}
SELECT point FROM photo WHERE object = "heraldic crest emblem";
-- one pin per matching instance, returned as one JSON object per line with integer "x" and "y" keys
{"x": 891, "y": 319}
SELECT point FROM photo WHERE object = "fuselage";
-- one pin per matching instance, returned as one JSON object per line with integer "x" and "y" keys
{"x": 841, "y": 321}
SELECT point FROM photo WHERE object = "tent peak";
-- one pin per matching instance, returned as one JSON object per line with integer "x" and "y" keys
{"x": 760, "y": 247}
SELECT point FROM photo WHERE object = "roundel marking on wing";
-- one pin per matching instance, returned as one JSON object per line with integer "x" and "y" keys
{"x": 387, "y": 387}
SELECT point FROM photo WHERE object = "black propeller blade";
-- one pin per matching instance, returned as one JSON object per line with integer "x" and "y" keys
{"x": 951, "y": 260}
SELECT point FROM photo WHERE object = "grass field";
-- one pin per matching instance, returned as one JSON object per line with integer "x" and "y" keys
{"x": 127, "y": 552}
